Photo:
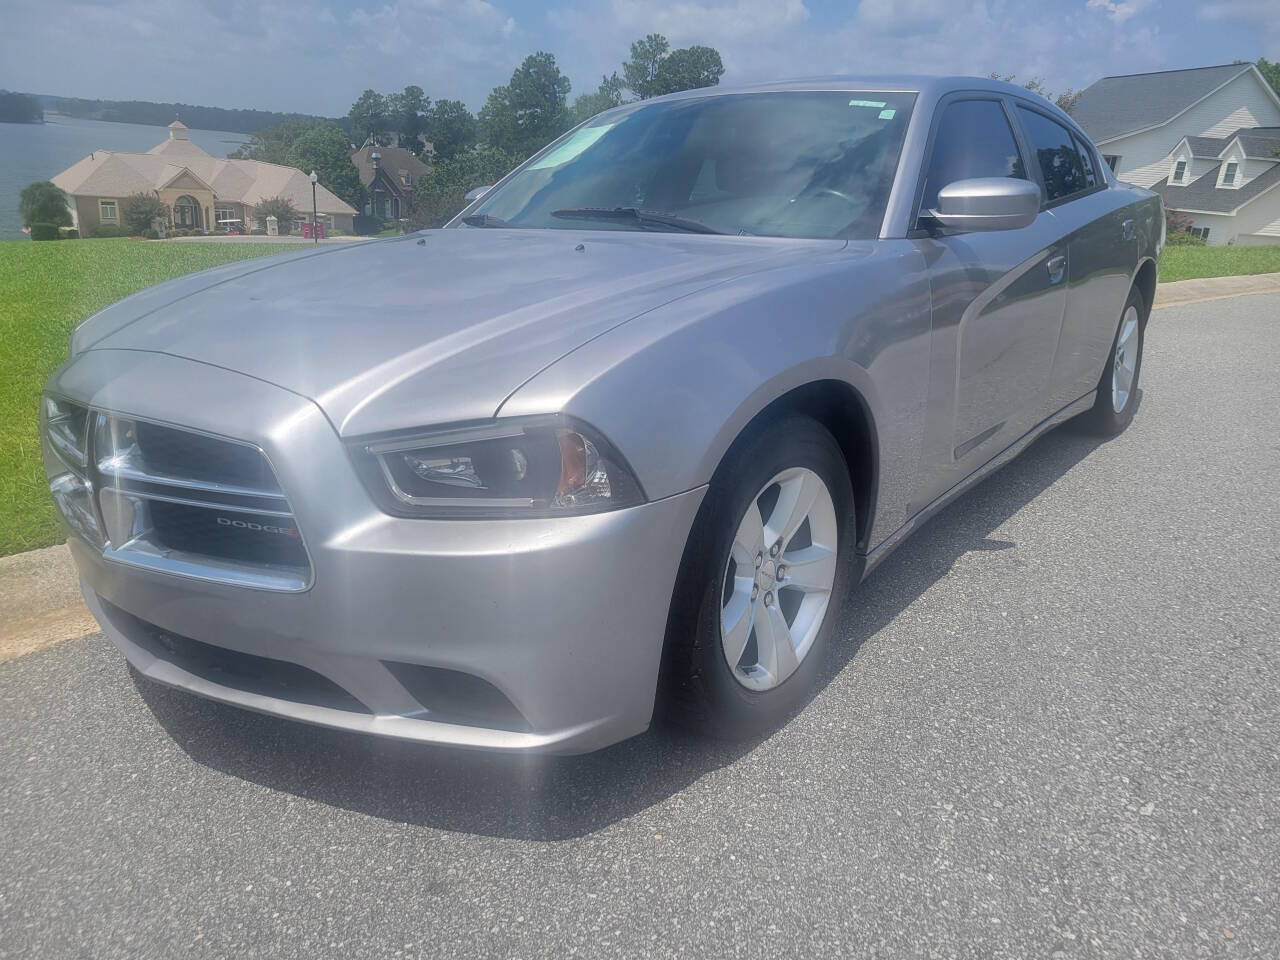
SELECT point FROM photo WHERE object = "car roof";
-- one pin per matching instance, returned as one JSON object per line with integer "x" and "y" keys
{"x": 889, "y": 83}
{"x": 929, "y": 88}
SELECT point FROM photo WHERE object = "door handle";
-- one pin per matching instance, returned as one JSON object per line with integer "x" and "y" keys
{"x": 1127, "y": 229}
{"x": 1057, "y": 267}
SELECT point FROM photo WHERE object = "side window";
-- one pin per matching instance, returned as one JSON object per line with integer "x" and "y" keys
{"x": 1091, "y": 177}
{"x": 974, "y": 139}
{"x": 1056, "y": 154}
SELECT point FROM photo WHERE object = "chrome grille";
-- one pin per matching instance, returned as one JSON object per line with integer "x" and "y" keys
{"x": 189, "y": 503}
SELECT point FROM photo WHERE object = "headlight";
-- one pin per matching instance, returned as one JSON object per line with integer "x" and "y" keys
{"x": 66, "y": 425}
{"x": 544, "y": 466}
{"x": 65, "y": 432}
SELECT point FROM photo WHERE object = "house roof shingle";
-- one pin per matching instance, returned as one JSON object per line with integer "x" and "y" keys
{"x": 393, "y": 160}
{"x": 1115, "y": 106}
{"x": 1203, "y": 193}
{"x": 1259, "y": 141}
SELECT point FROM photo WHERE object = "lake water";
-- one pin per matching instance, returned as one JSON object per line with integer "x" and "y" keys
{"x": 40, "y": 151}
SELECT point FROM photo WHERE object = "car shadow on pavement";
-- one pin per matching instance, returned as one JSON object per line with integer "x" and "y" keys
{"x": 560, "y": 798}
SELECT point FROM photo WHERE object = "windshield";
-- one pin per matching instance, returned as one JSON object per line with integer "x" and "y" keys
{"x": 767, "y": 164}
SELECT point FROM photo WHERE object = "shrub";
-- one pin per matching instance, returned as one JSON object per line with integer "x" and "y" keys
{"x": 68, "y": 233}
{"x": 44, "y": 231}
{"x": 151, "y": 234}
{"x": 104, "y": 230}
{"x": 1177, "y": 230}
{"x": 141, "y": 210}
{"x": 280, "y": 208}
{"x": 42, "y": 202}
{"x": 441, "y": 194}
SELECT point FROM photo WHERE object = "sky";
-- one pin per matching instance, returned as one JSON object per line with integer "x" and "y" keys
{"x": 317, "y": 56}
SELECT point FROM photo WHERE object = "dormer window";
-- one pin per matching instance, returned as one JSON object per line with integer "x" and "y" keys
{"x": 1179, "y": 171}
{"x": 1229, "y": 173}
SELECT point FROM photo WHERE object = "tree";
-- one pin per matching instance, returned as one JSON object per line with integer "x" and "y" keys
{"x": 20, "y": 108}
{"x": 530, "y": 111}
{"x": 1270, "y": 70}
{"x": 407, "y": 116}
{"x": 1066, "y": 100}
{"x": 282, "y": 209}
{"x": 688, "y": 69}
{"x": 439, "y": 196}
{"x": 641, "y": 71}
{"x": 655, "y": 69}
{"x": 452, "y": 129}
{"x": 273, "y": 145}
{"x": 142, "y": 210}
{"x": 42, "y": 202}
{"x": 327, "y": 151}
{"x": 606, "y": 98}
{"x": 368, "y": 117}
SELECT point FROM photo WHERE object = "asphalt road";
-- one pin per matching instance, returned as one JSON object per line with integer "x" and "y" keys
{"x": 1051, "y": 729}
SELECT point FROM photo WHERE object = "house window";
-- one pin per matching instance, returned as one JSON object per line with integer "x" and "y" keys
{"x": 1229, "y": 174}
{"x": 1111, "y": 160}
{"x": 1179, "y": 171}
{"x": 107, "y": 210}
{"x": 1201, "y": 232}
{"x": 186, "y": 212}
{"x": 225, "y": 215}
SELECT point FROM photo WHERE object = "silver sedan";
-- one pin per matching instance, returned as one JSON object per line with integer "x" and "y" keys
{"x": 622, "y": 435}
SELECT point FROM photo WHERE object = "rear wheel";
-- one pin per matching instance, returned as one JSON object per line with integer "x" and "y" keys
{"x": 762, "y": 582}
{"x": 1117, "y": 398}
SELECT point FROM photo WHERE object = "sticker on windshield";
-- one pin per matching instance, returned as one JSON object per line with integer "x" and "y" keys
{"x": 571, "y": 147}
{"x": 874, "y": 104}
{"x": 887, "y": 114}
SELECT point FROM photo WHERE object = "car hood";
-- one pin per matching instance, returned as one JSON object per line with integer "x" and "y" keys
{"x": 427, "y": 329}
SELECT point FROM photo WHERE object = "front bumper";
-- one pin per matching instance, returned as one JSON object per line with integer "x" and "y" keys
{"x": 557, "y": 623}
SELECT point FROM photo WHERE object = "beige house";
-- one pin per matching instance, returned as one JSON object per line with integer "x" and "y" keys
{"x": 203, "y": 192}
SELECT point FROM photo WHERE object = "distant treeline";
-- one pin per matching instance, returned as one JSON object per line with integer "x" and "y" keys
{"x": 19, "y": 108}
{"x": 162, "y": 114}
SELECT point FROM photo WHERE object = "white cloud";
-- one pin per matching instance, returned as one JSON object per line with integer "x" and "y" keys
{"x": 282, "y": 55}
{"x": 1241, "y": 10}
{"x": 1120, "y": 10}
{"x": 760, "y": 40}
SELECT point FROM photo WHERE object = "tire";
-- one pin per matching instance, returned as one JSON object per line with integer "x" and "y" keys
{"x": 1114, "y": 407}
{"x": 768, "y": 470}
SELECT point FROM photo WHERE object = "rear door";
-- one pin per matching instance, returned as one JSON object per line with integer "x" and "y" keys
{"x": 1102, "y": 250}
{"x": 998, "y": 299}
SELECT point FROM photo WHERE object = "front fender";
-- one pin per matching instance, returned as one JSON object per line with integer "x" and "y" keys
{"x": 673, "y": 389}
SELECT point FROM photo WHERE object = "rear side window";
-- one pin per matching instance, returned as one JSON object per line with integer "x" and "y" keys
{"x": 1056, "y": 153}
{"x": 1091, "y": 178}
{"x": 974, "y": 139}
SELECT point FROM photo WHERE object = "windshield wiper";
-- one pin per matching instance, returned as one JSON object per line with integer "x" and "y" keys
{"x": 484, "y": 220}
{"x": 642, "y": 217}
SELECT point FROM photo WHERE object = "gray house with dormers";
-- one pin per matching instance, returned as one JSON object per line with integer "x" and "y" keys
{"x": 1207, "y": 139}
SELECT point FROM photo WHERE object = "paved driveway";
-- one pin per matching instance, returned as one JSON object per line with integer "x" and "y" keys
{"x": 1051, "y": 729}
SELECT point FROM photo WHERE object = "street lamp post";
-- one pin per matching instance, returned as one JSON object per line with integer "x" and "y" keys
{"x": 314, "y": 235}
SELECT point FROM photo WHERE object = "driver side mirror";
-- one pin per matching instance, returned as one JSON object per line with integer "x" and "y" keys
{"x": 476, "y": 193}
{"x": 987, "y": 203}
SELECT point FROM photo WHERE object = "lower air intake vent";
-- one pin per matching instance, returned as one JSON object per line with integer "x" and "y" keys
{"x": 246, "y": 672}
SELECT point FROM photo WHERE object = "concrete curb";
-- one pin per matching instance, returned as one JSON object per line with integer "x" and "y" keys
{"x": 1214, "y": 288}
{"x": 40, "y": 602}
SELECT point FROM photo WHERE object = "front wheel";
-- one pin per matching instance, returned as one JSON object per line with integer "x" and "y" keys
{"x": 1117, "y": 399}
{"x": 762, "y": 582}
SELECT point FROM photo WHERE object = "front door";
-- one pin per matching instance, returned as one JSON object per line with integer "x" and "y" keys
{"x": 998, "y": 303}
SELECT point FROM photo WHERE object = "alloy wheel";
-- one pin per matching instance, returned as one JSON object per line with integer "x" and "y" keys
{"x": 1125, "y": 365}
{"x": 778, "y": 578}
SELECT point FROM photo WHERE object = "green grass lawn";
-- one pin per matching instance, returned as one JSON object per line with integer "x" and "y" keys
{"x": 45, "y": 290}
{"x": 1189, "y": 263}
